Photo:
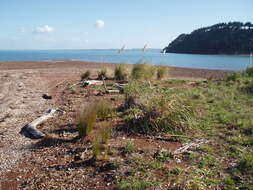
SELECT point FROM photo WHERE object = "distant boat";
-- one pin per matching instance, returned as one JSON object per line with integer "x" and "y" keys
{"x": 122, "y": 49}
{"x": 163, "y": 51}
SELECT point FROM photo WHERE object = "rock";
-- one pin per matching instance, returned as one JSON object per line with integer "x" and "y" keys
{"x": 46, "y": 97}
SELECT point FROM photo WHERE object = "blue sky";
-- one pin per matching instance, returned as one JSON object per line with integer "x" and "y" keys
{"x": 92, "y": 24}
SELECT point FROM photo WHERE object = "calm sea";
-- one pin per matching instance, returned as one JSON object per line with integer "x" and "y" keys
{"x": 130, "y": 56}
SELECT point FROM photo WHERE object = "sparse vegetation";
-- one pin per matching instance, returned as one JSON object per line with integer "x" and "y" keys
{"x": 120, "y": 73}
{"x": 153, "y": 120}
{"x": 85, "y": 75}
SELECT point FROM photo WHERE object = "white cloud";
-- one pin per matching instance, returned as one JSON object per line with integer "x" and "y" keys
{"x": 44, "y": 29}
{"x": 100, "y": 24}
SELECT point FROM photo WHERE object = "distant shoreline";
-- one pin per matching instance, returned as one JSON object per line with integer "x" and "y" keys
{"x": 244, "y": 55}
{"x": 81, "y": 66}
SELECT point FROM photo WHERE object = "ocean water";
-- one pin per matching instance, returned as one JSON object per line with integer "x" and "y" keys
{"x": 221, "y": 62}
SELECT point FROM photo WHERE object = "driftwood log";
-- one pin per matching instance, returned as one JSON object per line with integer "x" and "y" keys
{"x": 92, "y": 82}
{"x": 30, "y": 130}
{"x": 188, "y": 146}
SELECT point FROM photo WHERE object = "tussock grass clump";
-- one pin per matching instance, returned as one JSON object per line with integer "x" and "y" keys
{"x": 161, "y": 72}
{"x": 120, "y": 73}
{"x": 97, "y": 148}
{"x": 142, "y": 71}
{"x": 86, "y": 120}
{"x": 157, "y": 111}
{"x": 85, "y": 75}
{"x": 103, "y": 110}
{"x": 102, "y": 74}
{"x": 105, "y": 132}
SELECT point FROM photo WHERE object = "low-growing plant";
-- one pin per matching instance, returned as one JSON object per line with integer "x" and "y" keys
{"x": 85, "y": 75}
{"x": 86, "y": 120}
{"x": 207, "y": 161}
{"x": 163, "y": 155}
{"x": 155, "y": 164}
{"x": 120, "y": 73}
{"x": 133, "y": 183}
{"x": 249, "y": 71}
{"x": 129, "y": 148}
{"x": 102, "y": 74}
{"x": 161, "y": 72}
{"x": 232, "y": 77}
{"x": 246, "y": 164}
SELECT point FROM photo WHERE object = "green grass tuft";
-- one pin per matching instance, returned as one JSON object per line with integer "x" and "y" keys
{"x": 142, "y": 71}
{"x": 102, "y": 74}
{"x": 86, "y": 120}
{"x": 120, "y": 73}
{"x": 85, "y": 75}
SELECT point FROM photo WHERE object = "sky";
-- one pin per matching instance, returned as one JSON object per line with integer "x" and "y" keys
{"x": 109, "y": 24}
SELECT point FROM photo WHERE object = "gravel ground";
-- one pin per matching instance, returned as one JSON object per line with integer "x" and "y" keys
{"x": 21, "y": 102}
{"x": 21, "y": 87}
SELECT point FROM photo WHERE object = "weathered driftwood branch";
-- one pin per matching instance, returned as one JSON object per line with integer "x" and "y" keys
{"x": 92, "y": 82}
{"x": 187, "y": 146}
{"x": 113, "y": 91}
{"x": 30, "y": 130}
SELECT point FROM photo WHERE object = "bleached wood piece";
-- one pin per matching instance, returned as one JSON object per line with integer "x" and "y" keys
{"x": 30, "y": 130}
{"x": 92, "y": 82}
{"x": 112, "y": 91}
{"x": 188, "y": 146}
